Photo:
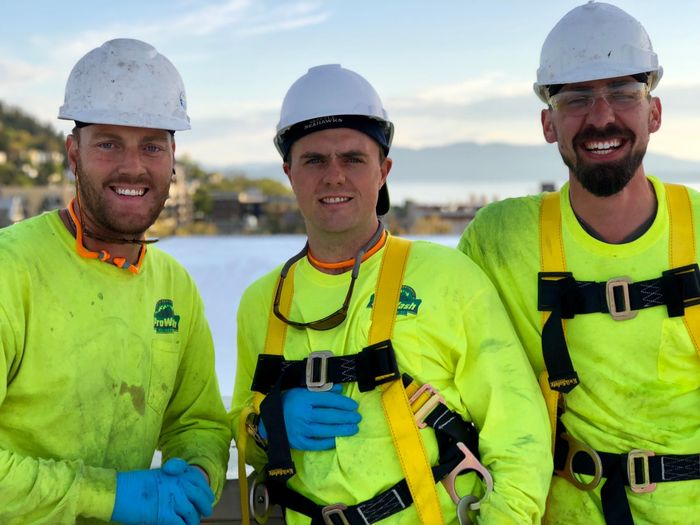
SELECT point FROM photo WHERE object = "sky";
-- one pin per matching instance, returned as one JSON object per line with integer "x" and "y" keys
{"x": 447, "y": 71}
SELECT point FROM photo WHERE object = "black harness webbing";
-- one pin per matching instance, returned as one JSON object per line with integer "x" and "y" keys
{"x": 373, "y": 366}
{"x": 282, "y": 374}
{"x": 565, "y": 297}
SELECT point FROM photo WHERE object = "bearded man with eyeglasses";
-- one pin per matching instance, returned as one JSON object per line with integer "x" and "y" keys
{"x": 377, "y": 377}
{"x": 602, "y": 283}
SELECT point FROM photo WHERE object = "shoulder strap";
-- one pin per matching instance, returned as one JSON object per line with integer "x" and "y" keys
{"x": 681, "y": 250}
{"x": 552, "y": 259}
{"x": 404, "y": 431}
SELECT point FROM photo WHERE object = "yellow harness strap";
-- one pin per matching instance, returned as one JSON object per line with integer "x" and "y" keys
{"x": 682, "y": 248}
{"x": 404, "y": 432}
{"x": 274, "y": 344}
{"x": 552, "y": 259}
{"x": 681, "y": 253}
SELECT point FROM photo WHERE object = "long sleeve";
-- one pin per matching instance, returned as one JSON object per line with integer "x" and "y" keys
{"x": 499, "y": 389}
{"x": 195, "y": 426}
{"x": 35, "y": 490}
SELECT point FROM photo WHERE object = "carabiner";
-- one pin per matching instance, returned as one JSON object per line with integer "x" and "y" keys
{"x": 468, "y": 463}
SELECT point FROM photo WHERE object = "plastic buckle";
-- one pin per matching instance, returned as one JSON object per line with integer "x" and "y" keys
{"x": 575, "y": 447}
{"x": 336, "y": 510}
{"x": 426, "y": 408}
{"x": 259, "y": 498}
{"x": 626, "y": 312}
{"x": 469, "y": 462}
{"x": 646, "y": 485}
{"x": 322, "y": 384}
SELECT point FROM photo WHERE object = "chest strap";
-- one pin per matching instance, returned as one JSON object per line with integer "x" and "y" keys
{"x": 565, "y": 297}
{"x": 373, "y": 366}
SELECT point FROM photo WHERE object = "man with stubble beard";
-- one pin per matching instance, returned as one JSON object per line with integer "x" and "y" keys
{"x": 105, "y": 353}
{"x": 601, "y": 282}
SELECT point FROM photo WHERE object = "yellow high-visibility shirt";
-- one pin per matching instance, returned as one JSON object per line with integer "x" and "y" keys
{"x": 98, "y": 368}
{"x": 640, "y": 378}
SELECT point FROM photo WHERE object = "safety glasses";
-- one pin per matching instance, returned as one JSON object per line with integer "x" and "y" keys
{"x": 578, "y": 102}
{"x": 336, "y": 318}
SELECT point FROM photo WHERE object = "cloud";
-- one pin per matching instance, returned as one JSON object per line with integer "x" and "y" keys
{"x": 13, "y": 73}
{"x": 241, "y": 18}
{"x": 489, "y": 108}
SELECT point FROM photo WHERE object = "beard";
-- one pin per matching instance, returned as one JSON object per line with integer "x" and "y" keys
{"x": 109, "y": 221}
{"x": 604, "y": 179}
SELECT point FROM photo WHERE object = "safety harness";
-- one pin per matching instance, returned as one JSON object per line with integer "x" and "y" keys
{"x": 407, "y": 406}
{"x": 561, "y": 297}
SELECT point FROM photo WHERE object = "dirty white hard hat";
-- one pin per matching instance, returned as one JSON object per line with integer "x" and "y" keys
{"x": 330, "y": 96}
{"x": 126, "y": 82}
{"x": 595, "y": 41}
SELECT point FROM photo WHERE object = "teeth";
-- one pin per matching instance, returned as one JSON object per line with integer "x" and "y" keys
{"x": 334, "y": 200}
{"x": 610, "y": 144}
{"x": 130, "y": 192}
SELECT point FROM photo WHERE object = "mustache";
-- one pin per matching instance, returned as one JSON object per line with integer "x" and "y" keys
{"x": 611, "y": 130}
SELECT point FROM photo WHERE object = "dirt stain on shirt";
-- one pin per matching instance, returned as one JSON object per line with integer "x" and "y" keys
{"x": 138, "y": 396}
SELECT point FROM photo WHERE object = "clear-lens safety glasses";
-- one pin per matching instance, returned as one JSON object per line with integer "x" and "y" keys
{"x": 620, "y": 97}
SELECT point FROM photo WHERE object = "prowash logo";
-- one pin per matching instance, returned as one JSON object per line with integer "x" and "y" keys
{"x": 408, "y": 302}
{"x": 164, "y": 319}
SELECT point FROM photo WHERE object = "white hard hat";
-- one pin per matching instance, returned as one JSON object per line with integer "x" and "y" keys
{"x": 126, "y": 82}
{"x": 327, "y": 91}
{"x": 594, "y": 41}
{"x": 330, "y": 96}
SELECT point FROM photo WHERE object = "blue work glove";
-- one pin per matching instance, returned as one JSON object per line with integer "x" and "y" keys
{"x": 176, "y": 494}
{"x": 195, "y": 484}
{"x": 315, "y": 419}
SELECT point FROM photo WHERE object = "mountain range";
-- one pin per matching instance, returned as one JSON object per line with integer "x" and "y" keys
{"x": 483, "y": 163}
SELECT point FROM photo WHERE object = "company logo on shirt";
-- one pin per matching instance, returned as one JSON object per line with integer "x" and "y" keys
{"x": 408, "y": 302}
{"x": 164, "y": 319}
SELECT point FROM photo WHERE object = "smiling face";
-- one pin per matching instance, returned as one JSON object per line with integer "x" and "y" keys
{"x": 336, "y": 175}
{"x": 123, "y": 176}
{"x": 604, "y": 147}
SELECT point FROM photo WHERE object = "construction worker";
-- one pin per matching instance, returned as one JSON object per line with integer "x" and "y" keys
{"x": 359, "y": 413}
{"x": 105, "y": 354}
{"x": 601, "y": 279}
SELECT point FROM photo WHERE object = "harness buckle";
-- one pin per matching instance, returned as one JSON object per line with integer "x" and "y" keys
{"x": 646, "y": 485}
{"x": 259, "y": 498}
{"x": 626, "y": 311}
{"x": 575, "y": 447}
{"x": 469, "y": 462}
{"x": 336, "y": 510}
{"x": 321, "y": 384}
{"x": 426, "y": 408}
